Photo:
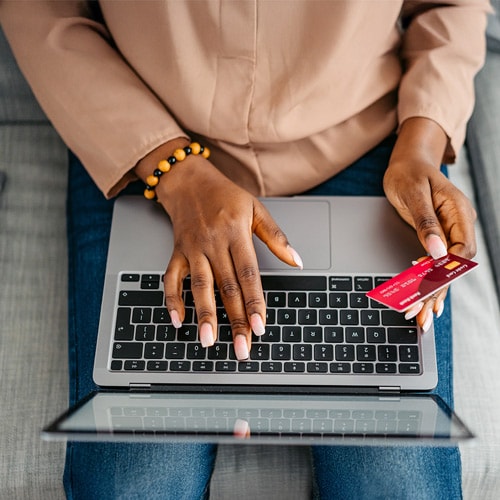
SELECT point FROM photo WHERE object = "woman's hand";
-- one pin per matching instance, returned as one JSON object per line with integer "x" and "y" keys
{"x": 441, "y": 214}
{"x": 213, "y": 221}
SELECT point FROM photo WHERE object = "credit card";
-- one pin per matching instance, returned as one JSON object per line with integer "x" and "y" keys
{"x": 420, "y": 281}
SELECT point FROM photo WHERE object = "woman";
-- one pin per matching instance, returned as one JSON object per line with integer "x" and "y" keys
{"x": 290, "y": 97}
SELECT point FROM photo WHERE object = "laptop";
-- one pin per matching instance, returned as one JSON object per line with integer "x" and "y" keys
{"x": 333, "y": 367}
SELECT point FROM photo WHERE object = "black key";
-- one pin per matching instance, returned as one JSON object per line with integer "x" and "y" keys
{"x": 153, "y": 350}
{"x": 225, "y": 366}
{"x": 358, "y": 300}
{"x": 222, "y": 317}
{"x": 402, "y": 335}
{"x": 150, "y": 285}
{"x": 338, "y": 300}
{"x": 408, "y": 353}
{"x": 362, "y": 367}
{"x": 145, "y": 332}
{"x": 195, "y": 351}
{"x": 344, "y": 352}
{"x": 366, "y": 353}
{"x": 157, "y": 366}
{"x": 188, "y": 298}
{"x": 355, "y": 335}
{"x": 297, "y": 299}
{"x": 116, "y": 365}
{"x": 375, "y": 335}
{"x": 150, "y": 278}
{"x": 379, "y": 280}
{"x": 180, "y": 366}
{"x": 349, "y": 317}
{"x": 175, "y": 350}
{"x": 272, "y": 334}
{"x": 270, "y": 316}
{"x": 328, "y": 317}
{"x": 217, "y": 351}
{"x": 302, "y": 352}
{"x": 134, "y": 364}
{"x": 292, "y": 334}
{"x": 127, "y": 350}
{"x": 387, "y": 353}
{"x": 287, "y": 317}
{"x": 409, "y": 368}
{"x": 334, "y": 334}
{"x": 294, "y": 283}
{"x": 141, "y": 315}
{"x": 308, "y": 317}
{"x": 363, "y": 283}
{"x": 385, "y": 367}
{"x": 122, "y": 322}
{"x": 130, "y": 277}
{"x": 317, "y": 300}
{"x": 340, "y": 283}
{"x": 140, "y": 298}
{"x": 295, "y": 366}
{"x": 259, "y": 351}
{"x": 271, "y": 366}
{"x": 280, "y": 352}
{"x": 313, "y": 334}
{"x": 225, "y": 333}
{"x": 124, "y": 332}
{"x": 316, "y": 367}
{"x": 276, "y": 299}
{"x": 160, "y": 315}
{"x": 187, "y": 333}
{"x": 370, "y": 317}
{"x": 323, "y": 352}
{"x": 394, "y": 318}
{"x": 340, "y": 367}
{"x": 248, "y": 366}
{"x": 203, "y": 366}
{"x": 165, "y": 333}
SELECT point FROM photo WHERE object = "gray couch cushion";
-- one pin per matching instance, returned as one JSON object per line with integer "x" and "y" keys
{"x": 17, "y": 103}
{"x": 483, "y": 142}
{"x": 493, "y": 29}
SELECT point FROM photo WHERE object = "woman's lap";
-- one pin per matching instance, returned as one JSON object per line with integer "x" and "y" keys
{"x": 122, "y": 469}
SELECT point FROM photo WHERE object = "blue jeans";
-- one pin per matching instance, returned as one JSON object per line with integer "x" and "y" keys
{"x": 182, "y": 471}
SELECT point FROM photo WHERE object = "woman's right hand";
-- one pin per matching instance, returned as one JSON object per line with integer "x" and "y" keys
{"x": 213, "y": 221}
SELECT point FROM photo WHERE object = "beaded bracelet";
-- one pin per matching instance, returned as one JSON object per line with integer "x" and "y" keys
{"x": 165, "y": 165}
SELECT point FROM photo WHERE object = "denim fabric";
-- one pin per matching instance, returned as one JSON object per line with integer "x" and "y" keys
{"x": 178, "y": 471}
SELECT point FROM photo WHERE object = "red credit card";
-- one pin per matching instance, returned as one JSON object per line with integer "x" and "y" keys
{"x": 420, "y": 281}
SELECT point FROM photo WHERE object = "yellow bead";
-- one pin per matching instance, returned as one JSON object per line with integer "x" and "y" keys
{"x": 149, "y": 194}
{"x": 152, "y": 180}
{"x": 164, "y": 166}
{"x": 179, "y": 154}
{"x": 195, "y": 148}
{"x": 206, "y": 153}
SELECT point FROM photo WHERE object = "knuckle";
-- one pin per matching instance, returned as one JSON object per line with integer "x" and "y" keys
{"x": 239, "y": 325}
{"x": 229, "y": 289}
{"x": 248, "y": 274}
{"x": 200, "y": 282}
{"x": 204, "y": 314}
{"x": 426, "y": 222}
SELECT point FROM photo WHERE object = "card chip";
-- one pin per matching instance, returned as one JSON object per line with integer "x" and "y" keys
{"x": 452, "y": 265}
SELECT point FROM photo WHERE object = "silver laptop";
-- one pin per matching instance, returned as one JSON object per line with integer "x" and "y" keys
{"x": 333, "y": 366}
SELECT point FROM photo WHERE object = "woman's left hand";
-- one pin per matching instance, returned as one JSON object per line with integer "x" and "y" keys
{"x": 441, "y": 214}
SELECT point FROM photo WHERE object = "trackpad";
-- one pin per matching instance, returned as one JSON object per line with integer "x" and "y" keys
{"x": 306, "y": 224}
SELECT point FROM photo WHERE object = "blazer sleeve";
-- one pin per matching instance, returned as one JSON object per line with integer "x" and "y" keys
{"x": 443, "y": 47}
{"x": 100, "y": 107}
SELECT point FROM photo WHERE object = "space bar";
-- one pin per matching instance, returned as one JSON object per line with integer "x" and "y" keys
{"x": 294, "y": 283}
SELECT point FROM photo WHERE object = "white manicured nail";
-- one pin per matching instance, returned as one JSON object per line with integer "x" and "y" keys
{"x": 257, "y": 325}
{"x": 206, "y": 335}
{"x": 428, "y": 321}
{"x": 436, "y": 247}
{"x": 174, "y": 316}
{"x": 241, "y": 347}
{"x": 296, "y": 257}
{"x": 414, "y": 310}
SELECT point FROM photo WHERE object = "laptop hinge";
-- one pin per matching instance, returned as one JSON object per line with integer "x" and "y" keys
{"x": 140, "y": 387}
{"x": 391, "y": 389}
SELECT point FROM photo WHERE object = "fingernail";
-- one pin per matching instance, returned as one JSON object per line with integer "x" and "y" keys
{"x": 241, "y": 428}
{"x": 257, "y": 325}
{"x": 414, "y": 310}
{"x": 296, "y": 257}
{"x": 436, "y": 247}
{"x": 440, "y": 309}
{"x": 428, "y": 321}
{"x": 176, "y": 321}
{"x": 206, "y": 335}
{"x": 241, "y": 347}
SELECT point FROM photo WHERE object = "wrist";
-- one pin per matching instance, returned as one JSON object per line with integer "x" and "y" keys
{"x": 420, "y": 139}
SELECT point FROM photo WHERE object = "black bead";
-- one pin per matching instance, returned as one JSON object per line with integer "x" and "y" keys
{"x": 188, "y": 150}
{"x": 171, "y": 160}
{"x": 157, "y": 173}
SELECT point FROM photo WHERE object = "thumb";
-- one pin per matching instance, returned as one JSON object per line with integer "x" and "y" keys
{"x": 266, "y": 229}
{"x": 429, "y": 231}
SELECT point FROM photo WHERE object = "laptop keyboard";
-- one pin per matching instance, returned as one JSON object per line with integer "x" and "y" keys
{"x": 314, "y": 325}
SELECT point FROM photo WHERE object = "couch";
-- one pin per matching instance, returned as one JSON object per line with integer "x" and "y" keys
{"x": 33, "y": 369}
